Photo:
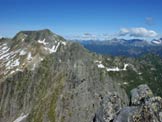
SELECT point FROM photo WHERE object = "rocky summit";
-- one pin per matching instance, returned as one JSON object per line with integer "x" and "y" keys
{"x": 44, "y": 78}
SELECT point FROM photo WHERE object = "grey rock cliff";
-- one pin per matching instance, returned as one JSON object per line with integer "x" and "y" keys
{"x": 64, "y": 85}
{"x": 45, "y": 78}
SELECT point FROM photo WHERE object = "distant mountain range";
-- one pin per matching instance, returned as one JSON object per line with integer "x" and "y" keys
{"x": 123, "y": 47}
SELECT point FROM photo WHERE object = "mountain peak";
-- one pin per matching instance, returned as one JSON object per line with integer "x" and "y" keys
{"x": 44, "y": 31}
{"x": 27, "y": 49}
{"x": 36, "y": 34}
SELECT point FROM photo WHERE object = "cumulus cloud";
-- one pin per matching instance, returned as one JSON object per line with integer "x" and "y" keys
{"x": 90, "y": 36}
{"x": 124, "y": 33}
{"x": 137, "y": 32}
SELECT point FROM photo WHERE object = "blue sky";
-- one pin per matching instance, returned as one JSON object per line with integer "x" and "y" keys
{"x": 83, "y": 18}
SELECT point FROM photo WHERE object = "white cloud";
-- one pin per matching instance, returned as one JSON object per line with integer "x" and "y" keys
{"x": 137, "y": 32}
{"x": 124, "y": 33}
{"x": 89, "y": 36}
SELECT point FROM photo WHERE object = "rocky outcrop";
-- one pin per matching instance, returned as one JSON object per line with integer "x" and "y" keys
{"x": 140, "y": 94}
{"x": 144, "y": 108}
{"x": 109, "y": 108}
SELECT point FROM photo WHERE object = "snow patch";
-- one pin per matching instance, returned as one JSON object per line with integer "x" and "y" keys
{"x": 43, "y": 42}
{"x": 101, "y": 66}
{"x": 41, "y": 59}
{"x": 22, "y": 53}
{"x": 125, "y": 83}
{"x": 116, "y": 69}
{"x": 64, "y": 43}
{"x": 15, "y": 63}
{"x": 4, "y": 55}
{"x": 8, "y": 55}
{"x": 29, "y": 57}
{"x": 22, "y": 40}
{"x": 140, "y": 73}
{"x": 97, "y": 61}
{"x": 53, "y": 49}
{"x": 125, "y": 67}
{"x": 12, "y": 72}
{"x": 10, "y": 64}
{"x": 3, "y": 51}
{"x": 19, "y": 69}
{"x": 156, "y": 42}
{"x": 4, "y": 48}
{"x": 21, "y": 117}
{"x": 33, "y": 67}
{"x": 4, "y": 44}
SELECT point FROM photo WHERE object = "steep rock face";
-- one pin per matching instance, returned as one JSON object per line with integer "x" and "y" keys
{"x": 66, "y": 85}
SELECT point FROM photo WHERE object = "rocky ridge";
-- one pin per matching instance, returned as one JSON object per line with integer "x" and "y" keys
{"x": 45, "y": 78}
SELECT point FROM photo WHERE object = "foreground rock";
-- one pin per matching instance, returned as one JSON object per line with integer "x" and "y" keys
{"x": 140, "y": 95}
{"x": 145, "y": 107}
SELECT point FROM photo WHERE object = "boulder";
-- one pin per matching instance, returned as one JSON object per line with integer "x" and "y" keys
{"x": 140, "y": 94}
